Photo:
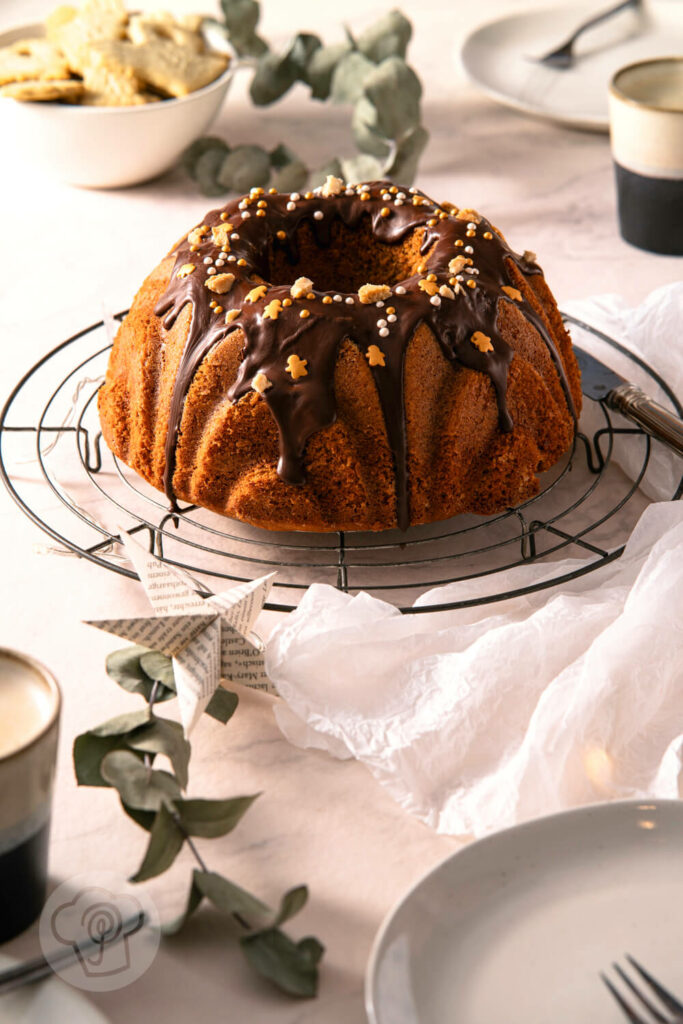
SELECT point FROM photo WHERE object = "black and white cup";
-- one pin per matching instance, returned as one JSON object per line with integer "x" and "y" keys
{"x": 646, "y": 125}
{"x": 29, "y": 723}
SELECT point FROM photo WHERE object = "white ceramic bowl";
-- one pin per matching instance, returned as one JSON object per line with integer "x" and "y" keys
{"x": 105, "y": 147}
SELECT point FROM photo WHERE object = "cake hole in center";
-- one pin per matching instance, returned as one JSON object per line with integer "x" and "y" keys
{"x": 353, "y": 258}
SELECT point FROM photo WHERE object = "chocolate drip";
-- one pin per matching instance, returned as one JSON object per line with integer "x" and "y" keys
{"x": 306, "y": 404}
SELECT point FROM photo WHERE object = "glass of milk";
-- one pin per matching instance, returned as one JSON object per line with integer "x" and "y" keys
{"x": 29, "y": 723}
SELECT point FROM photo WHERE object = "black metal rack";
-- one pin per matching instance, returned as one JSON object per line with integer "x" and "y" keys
{"x": 50, "y": 422}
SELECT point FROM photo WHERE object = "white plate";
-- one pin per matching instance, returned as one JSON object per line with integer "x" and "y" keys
{"x": 48, "y": 1002}
{"x": 515, "y": 928}
{"x": 495, "y": 57}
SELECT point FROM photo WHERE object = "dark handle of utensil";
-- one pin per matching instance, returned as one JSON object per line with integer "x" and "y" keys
{"x": 603, "y": 16}
{"x": 648, "y": 414}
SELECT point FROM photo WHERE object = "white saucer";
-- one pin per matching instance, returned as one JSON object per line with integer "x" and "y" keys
{"x": 47, "y": 1002}
{"x": 516, "y": 927}
{"x": 495, "y": 57}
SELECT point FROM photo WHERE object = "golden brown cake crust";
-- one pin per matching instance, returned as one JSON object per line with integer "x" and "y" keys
{"x": 211, "y": 374}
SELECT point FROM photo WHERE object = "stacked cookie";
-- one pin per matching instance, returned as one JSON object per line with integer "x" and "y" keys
{"x": 100, "y": 55}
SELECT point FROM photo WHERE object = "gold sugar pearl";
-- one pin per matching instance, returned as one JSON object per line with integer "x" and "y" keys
{"x": 272, "y": 191}
{"x": 385, "y": 211}
{"x": 260, "y": 213}
{"x": 431, "y": 223}
{"x": 471, "y": 234}
{"x": 390, "y": 310}
{"x": 443, "y": 216}
{"x": 281, "y": 235}
{"x": 194, "y": 248}
{"x": 218, "y": 309}
{"x": 286, "y": 302}
{"x": 327, "y": 299}
{"x": 311, "y": 295}
{"x": 225, "y": 248}
{"x": 262, "y": 204}
{"x": 212, "y": 304}
{"x": 364, "y": 196}
{"x": 487, "y": 234}
{"x": 459, "y": 242}
{"x": 431, "y": 277}
{"x": 304, "y": 313}
{"x": 469, "y": 262}
{"x": 224, "y": 216}
{"x": 471, "y": 283}
{"x": 257, "y": 191}
{"x": 393, "y": 190}
{"x": 308, "y": 195}
{"x": 241, "y": 262}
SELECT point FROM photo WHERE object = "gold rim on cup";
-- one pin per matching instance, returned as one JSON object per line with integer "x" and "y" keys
{"x": 55, "y": 693}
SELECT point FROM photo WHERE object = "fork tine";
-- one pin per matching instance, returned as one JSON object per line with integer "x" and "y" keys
{"x": 639, "y": 995}
{"x": 627, "y": 1009}
{"x": 666, "y": 997}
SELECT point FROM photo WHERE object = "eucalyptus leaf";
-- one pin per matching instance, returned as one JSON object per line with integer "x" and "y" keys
{"x": 349, "y": 76}
{"x": 364, "y": 124}
{"x": 301, "y": 50}
{"x": 124, "y": 667}
{"x": 388, "y": 37}
{"x": 250, "y": 46}
{"x": 362, "y": 168}
{"x": 321, "y": 68}
{"x": 159, "y": 667}
{"x": 127, "y": 722}
{"x": 89, "y": 751}
{"x": 404, "y": 165}
{"x": 281, "y": 156}
{"x": 194, "y": 898}
{"x": 230, "y": 898}
{"x": 207, "y": 169}
{"x": 222, "y": 705}
{"x": 165, "y": 843}
{"x": 289, "y": 965}
{"x": 241, "y": 17}
{"x": 290, "y": 904}
{"x": 293, "y": 177}
{"x": 145, "y": 819}
{"x": 395, "y": 90}
{"x": 189, "y": 162}
{"x": 211, "y": 818}
{"x": 319, "y": 176}
{"x": 139, "y": 787}
{"x": 164, "y": 737}
{"x": 274, "y": 75}
{"x": 245, "y": 167}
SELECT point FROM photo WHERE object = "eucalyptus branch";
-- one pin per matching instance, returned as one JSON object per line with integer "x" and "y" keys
{"x": 121, "y": 754}
{"x": 369, "y": 72}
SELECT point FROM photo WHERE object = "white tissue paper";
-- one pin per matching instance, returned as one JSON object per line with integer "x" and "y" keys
{"x": 483, "y": 717}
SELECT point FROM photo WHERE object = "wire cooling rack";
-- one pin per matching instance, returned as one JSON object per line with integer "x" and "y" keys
{"x": 50, "y": 439}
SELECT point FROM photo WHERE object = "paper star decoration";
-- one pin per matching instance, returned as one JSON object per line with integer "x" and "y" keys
{"x": 207, "y": 638}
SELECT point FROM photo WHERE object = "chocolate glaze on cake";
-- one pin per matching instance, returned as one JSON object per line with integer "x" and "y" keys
{"x": 291, "y": 343}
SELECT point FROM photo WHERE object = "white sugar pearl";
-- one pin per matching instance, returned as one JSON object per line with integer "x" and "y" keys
{"x": 294, "y": 196}
{"x": 220, "y": 263}
{"x": 469, "y": 250}
{"x": 246, "y": 215}
{"x": 380, "y": 304}
{"x": 386, "y": 197}
{"x": 349, "y": 300}
{"x": 318, "y": 215}
{"x": 336, "y": 298}
{"x": 384, "y": 332}
{"x": 399, "y": 289}
{"x": 471, "y": 227}
{"x": 349, "y": 192}
{"x": 392, "y": 318}
{"x": 243, "y": 205}
{"x": 472, "y": 270}
{"x": 400, "y": 195}
{"x": 211, "y": 270}
{"x": 291, "y": 206}
{"x": 435, "y": 300}
{"x": 231, "y": 258}
{"x": 208, "y": 260}
{"x": 398, "y": 202}
{"x": 381, "y": 323}
{"x": 459, "y": 277}
{"x": 234, "y": 236}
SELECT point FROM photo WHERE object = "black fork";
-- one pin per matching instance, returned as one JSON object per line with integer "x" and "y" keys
{"x": 668, "y": 1010}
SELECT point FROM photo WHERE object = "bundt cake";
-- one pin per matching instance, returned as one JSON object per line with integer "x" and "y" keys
{"x": 354, "y": 358}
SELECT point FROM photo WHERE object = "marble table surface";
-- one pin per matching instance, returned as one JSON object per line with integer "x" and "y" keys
{"x": 319, "y": 821}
